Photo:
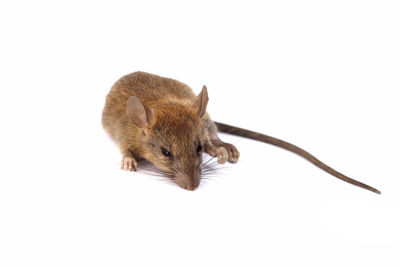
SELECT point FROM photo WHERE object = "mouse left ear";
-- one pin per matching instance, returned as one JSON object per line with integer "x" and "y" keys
{"x": 200, "y": 102}
{"x": 138, "y": 113}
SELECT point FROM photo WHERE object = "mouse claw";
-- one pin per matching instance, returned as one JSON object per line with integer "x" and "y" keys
{"x": 233, "y": 153}
{"x": 222, "y": 154}
{"x": 128, "y": 164}
{"x": 225, "y": 152}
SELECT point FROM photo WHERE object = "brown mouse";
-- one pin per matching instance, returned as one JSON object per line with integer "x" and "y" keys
{"x": 162, "y": 121}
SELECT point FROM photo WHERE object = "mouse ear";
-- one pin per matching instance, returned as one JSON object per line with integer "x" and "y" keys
{"x": 138, "y": 113}
{"x": 200, "y": 103}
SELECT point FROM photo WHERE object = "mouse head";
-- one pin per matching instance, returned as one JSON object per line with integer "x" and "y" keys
{"x": 173, "y": 137}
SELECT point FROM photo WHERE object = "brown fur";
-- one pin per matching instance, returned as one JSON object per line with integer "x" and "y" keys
{"x": 147, "y": 114}
{"x": 177, "y": 122}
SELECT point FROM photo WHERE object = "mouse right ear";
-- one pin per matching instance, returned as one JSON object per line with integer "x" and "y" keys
{"x": 200, "y": 102}
{"x": 138, "y": 113}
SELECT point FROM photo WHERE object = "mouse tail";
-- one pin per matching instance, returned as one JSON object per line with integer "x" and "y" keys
{"x": 295, "y": 149}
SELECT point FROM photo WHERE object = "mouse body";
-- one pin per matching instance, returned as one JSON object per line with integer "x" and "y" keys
{"x": 162, "y": 121}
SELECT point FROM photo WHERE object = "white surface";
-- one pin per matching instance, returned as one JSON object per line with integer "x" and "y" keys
{"x": 324, "y": 76}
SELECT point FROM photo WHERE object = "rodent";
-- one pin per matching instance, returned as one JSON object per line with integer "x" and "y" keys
{"x": 162, "y": 121}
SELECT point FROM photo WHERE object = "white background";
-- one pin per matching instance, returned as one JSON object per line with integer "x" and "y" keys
{"x": 321, "y": 74}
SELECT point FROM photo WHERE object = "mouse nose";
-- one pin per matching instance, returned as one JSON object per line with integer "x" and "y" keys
{"x": 192, "y": 185}
{"x": 188, "y": 183}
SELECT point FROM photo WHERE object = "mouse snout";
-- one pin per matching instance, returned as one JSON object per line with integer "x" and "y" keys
{"x": 188, "y": 181}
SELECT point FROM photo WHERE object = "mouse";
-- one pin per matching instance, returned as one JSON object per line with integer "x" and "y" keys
{"x": 161, "y": 120}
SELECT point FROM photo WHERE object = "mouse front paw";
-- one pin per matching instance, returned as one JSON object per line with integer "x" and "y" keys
{"x": 219, "y": 152}
{"x": 128, "y": 164}
{"x": 225, "y": 152}
{"x": 233, "y": 153}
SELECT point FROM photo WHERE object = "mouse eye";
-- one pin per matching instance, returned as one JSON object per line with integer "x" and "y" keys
{"x": 166, "y": 153}
{"x": 199, "y": 149}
